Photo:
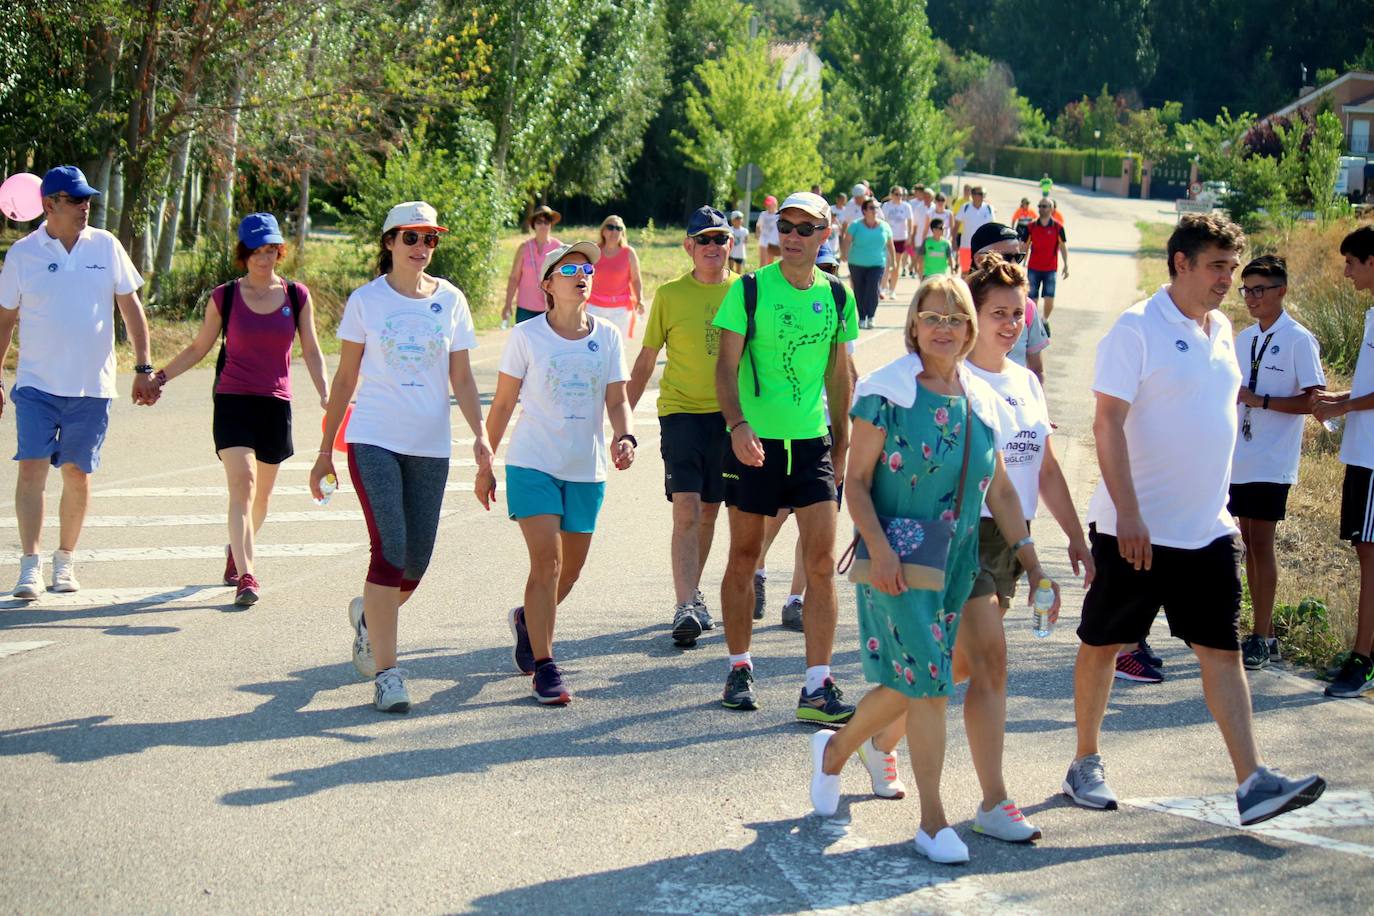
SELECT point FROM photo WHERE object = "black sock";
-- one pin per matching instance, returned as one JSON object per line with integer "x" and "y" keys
{"x": 541, "y": 662}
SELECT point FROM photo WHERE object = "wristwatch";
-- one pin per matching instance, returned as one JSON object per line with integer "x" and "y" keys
{"x": 629, "y": 437}
{"x": 144, "y": 369}
{"x": 1265, "y": 405}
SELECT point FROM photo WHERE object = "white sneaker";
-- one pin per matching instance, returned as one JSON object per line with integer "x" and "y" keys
{"x": 825, "y": 789}
{"x": 946, "y": 847}
{"x": 30, "y": 584}
{"x": 390, "y": 691}
{"x": 882, "y": 771}
{"x": 1005, "y": 822}
{"x": 362, "y": 648}
{"x": 64, "y": 572}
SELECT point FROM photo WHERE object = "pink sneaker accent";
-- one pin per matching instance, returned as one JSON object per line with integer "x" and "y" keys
{"x": 231, "y": 573}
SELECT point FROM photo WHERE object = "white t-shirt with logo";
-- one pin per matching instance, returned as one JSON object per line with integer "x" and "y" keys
{"x": 897, "y": 216}
{"x": 1181, "y": 384}
{"x": 66, "y": 310}
{"x": 1289, "y": 364}
{"x": 850, "y": 212}
{"x": 972, "y": 218}
{"x": 1024, "y": 451}
{"x": 563, "y": 397}
{"x": 402, "y": 402}
{"x": 1357, "y": 443}
{"x": 768, "y": 229}
{"x": 920, "y": 213}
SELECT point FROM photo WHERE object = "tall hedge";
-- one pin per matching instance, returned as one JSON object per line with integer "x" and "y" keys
{"x": 1064, "y": 166}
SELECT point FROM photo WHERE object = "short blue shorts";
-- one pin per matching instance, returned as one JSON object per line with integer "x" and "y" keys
{"x": 1042, "y": 283}
{"x": 530, "y": 492}
{"x": 62, "y": 429}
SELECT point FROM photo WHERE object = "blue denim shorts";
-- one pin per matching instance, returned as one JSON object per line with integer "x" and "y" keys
{"x": 1042, "y": 283}
{"x": 530, "y": 492}
{"x": 64, "y": 430}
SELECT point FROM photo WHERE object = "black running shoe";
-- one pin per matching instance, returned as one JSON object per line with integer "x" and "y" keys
{"x": 1356, "y": 678}
{"x": 1254, "y": 652}
{"x": 1149, "y": 656}
{"x": 739, "y": 689}
{"x": 686, "y": 626}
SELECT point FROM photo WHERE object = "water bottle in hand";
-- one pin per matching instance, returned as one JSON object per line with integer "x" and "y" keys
{"x": 1040, "y": 609}
{"x": 1333, "y": 424}
{"x": 328, "y": 484}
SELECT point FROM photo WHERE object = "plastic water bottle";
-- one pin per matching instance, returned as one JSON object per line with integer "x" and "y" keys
{"x": 505, "y": 324}
{"x": 1040, "y": 609}
{"x": 328, "y": 485}
{"x": 1333, "y": 424}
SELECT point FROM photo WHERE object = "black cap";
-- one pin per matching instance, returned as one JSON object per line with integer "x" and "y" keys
{"x": 707, "y": 219}
{"x": 991, "y": 234}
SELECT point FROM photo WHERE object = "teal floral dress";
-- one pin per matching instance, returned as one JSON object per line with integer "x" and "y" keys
{"x": 907, "y": 640}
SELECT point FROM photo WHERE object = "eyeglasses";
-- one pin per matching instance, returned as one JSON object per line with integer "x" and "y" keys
{"x": 571, "y": 270}
{"x": 610, "y": 228}
{"x": 805, "y": 230}
{"x": 941, "y": 320}
{"x": 411, "y": 237}
{"x": 74, "y": 201}
{"x": 1255, "y": 292}
{"x": 1043, "y": 207}
{"x": 715, "y": 238}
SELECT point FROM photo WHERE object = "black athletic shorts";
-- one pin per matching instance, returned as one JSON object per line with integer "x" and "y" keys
{"x": 693, "y": 447}
{"x": 1357, "y": 505}
{"x": 1267, "y": 502}
{"x": 802, "y": 478}
{"x": 1199, "y": 591}
{"x": 254, "y": 421}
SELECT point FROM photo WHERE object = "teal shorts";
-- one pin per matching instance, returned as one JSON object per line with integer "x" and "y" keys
{"x": 577, "y": 503}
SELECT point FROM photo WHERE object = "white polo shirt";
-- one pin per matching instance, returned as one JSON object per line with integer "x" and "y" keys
{"x": 1357, "y": 444}
{"x": 973, "y": 218}
{"x": 1181, "y": 384}
{"x": 920, "y": 213}
{"x": 897, "y": 216}
{"x": 66, "y": 310}
{"x": 1288, "y": 364}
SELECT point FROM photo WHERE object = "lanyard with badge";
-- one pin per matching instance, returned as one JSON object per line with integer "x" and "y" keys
{"x": 1256, "y": 357}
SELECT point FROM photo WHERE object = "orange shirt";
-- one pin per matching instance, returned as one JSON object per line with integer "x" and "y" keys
{"x": 1023, "y": 213}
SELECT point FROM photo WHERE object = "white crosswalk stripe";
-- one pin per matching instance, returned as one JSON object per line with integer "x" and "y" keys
{"x": 219, "y": 492}
{"x": 210, "y": 552}
{"x": 213, "y": 518}
{"x": 106, "y": 597}
{"x": 14, "y": 648}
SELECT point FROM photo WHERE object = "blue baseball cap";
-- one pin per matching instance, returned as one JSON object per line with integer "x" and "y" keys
{"x": 825, "y": 255}
{"x": 258, "y": 229}
{"x": 67, "y": 179}
{"x": 707, "y": 219}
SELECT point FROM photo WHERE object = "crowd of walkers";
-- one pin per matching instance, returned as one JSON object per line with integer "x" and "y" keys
{"x": 945, "y": 453}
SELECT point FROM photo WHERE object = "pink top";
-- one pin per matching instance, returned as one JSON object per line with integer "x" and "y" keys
{"x": 530, "y": 295}
{"x": 611, "y": 282}
{"x": 258, "y": 347}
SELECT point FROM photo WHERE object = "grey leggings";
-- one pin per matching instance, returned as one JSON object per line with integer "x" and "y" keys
{"x": 401, "y": 496}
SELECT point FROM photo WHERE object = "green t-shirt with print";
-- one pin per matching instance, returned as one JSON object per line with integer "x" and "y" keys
{"x": 681, "y": 320}
{"x": 936, "y": 261}
{"x": 795, "y": 331}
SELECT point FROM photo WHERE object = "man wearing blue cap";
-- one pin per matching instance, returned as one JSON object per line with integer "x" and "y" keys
{"x": 693, "y": 438}
{"x": 65, "y": 278}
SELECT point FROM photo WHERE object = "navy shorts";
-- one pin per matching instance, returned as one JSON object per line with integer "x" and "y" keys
{"x": 795, "y": 474}
{"x": 1041, "y": 283}
{"x": 65, "y": 430}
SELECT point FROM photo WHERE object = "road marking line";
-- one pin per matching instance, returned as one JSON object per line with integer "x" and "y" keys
{"x": 216, "y": 518}
{"x": 211, "y": 552}
{"x": 14, "y": 648}
{"x": 102, "y": 597}
{"x": 341, "y": 467}
{"x": 1332, "y": 810}
{"x": 453, "y": 486}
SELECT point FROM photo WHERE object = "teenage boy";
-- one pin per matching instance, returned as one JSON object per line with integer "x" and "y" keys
{"x": 772, "y": 369}
{"x": 692, "y": 430}
{"x": 1357, "y": 451}
{"x": 1281, "y": 373}
{"x": 1166, "y": 383}
{"x": 935, "y": 251}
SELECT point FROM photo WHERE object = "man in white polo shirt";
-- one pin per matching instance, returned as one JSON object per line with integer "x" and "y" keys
{"x": 1281, "y": 373}
{"x": 60, "y": 283}
{"x": 1166, "y": 385}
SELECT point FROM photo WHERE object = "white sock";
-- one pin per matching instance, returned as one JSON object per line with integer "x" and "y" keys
{"x": 791, "y": 598}
{"x": 1249, "y": 781}
{"x": 816, "y": 676}
{"x": 59, "y": 553}
{"x": 741, "y": 659}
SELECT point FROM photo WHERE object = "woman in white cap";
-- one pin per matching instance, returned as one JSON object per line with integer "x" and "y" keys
{"x": 522, "y": 286}
{"x": 258, "y": 317}
{"x": 618, "y": 293}
{"x": 567, "y": 369}
{"x": 407, "y": 335}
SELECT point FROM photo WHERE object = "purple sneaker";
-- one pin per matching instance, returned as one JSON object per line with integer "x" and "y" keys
{"x": 549, "y": 688}
{"x": 522, "y": 654}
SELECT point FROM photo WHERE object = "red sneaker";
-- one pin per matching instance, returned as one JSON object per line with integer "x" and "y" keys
{"x": 247, "y": 594}
{"x": 231, "y": 573}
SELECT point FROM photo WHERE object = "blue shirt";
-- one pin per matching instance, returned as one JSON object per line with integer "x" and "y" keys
{"x": 868, "y": 247}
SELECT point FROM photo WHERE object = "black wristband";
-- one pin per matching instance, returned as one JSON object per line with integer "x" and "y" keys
{"x": 144, "y": 369}
{"x": 634, "y": 443}
{"x": 1266, "y": 402}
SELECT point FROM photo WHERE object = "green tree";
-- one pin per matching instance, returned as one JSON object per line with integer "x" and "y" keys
{"x": 1151, "y": 132}
{"x": 1033, "y": 127}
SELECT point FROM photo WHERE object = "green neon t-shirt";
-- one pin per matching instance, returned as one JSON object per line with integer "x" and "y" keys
{"x": 795, "y": 331}
{"x": 936, "y": 261}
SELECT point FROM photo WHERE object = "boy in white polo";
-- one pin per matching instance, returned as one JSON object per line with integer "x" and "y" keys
{"x": 61, "y": 283}
{"x": 1165, "y": 425}
{"x": 1281, "y": 373}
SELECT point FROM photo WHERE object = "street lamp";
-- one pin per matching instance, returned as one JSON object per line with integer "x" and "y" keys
{"x": 1097, "y": 157}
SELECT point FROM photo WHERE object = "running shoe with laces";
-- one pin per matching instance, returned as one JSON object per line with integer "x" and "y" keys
{"x": 362, "y": 647}
{"x": 825, "y": 788}
{"x": 686, "y": 626}
{"x": 30, "y": 584}
{"x": 1132, "y": 667}
{"x": 703, "y": 612}
{"x": 64, "y": 572}
{"x": 231, "y": 572}
{"x": 824, "y": 705}
{"x": 548, "y": 686}
{"x": 1254, "y": 652}
{"x": 792, "y": 614}
{"x": 1274, "y": 654}
{"x": 1086, "y": 783}
{"x": 1148, "y": 655}
{"x": 759, "y": 596}
{"x": 1356, "y": 678}
{"x": 1005, "y": 822}
{"x": 389, "y": 691}
{"x": 1271, "y": 793}
{"x": 739, "y": 689}
{"x": 882, "y": 770}
{"x": 247, "y": 593}
{"x": 522, "y": 654}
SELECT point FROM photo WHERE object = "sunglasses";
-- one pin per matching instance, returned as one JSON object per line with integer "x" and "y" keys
{"x": 1255, "y": 292}
{"x": 411, "y": 237}
{"x": 1011, "y": 257}
{"x": 715, "y": 238}
{"x": 940, "y": 320}
{"x": 571, "y": 270}
{"x": 74, "y": 201}
{"x": 805, "y": 230}
{"x": 614, "y": 228}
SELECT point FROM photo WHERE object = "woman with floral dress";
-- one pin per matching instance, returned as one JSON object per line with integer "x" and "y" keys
{"x": 914, "y": 421}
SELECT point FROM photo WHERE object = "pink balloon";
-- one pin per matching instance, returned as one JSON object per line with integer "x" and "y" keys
{"x": 21, "y": 197}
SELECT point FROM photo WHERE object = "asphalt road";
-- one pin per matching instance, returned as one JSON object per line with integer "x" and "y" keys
{"x": 161, "y": 751}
